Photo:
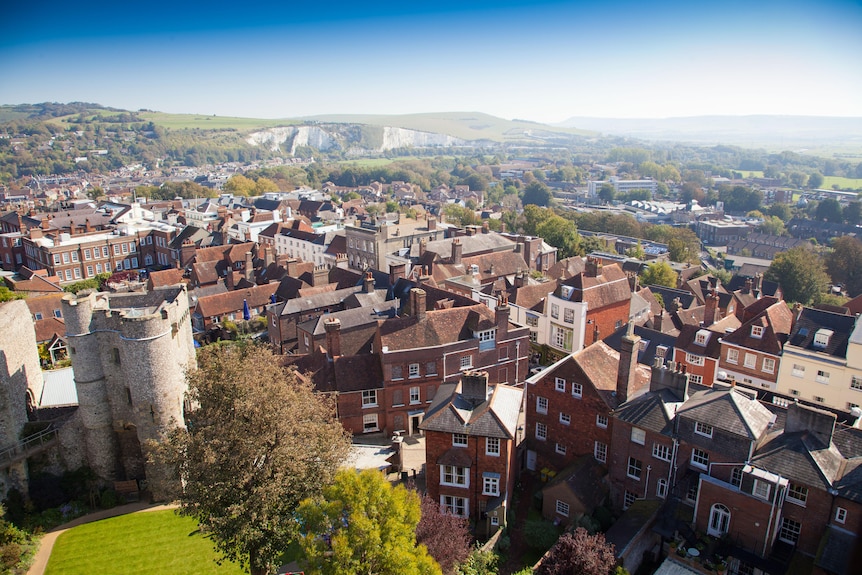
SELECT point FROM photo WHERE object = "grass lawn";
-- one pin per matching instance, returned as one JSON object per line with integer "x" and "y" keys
{"x": 151, "y": 543}
{"x": 843, "y": 183}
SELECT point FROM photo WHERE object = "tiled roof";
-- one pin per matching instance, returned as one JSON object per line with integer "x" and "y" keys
{"x": 165, "y": 278}
{"x": 833, "y": 555}
{"x": 439, "y": 327}
{"x": 497, "y": 416}
{"x": 531, "y": 296}
{"x": 775, "y": 321}
{"x": 608, "y": 287}
{"x": 729, "y": 410}
{"x": 812, "y": 320}
{"x": 801, "y": 458}
{"x": 564, "y": 269}
{"x": 650, "y": 411}
{"x": 232, "y": 301}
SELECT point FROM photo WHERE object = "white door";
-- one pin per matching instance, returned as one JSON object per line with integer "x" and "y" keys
{"x": 719, "y": 520}
{"x": 531, "y": 460}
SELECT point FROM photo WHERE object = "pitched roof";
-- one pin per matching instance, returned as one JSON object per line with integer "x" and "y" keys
{"x": 775, "y": 320}
{"x": 811, "y": 321}
{"x": 343, "y": 374}
{"x": 605, "y": 288}
{"x": 232, "y": 301}
{"x": 800, "y": 457}
{"x": 497, "y": 416}
{"x": 730, "y": 410}
{"x": 652, "y": 411}
{"x": 437, "y": 328}
{"x": 165, "y": 278}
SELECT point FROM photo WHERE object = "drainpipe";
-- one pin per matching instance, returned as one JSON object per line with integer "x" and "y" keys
{"x": 646, "y": 484}
{"x": 771, "y": 513}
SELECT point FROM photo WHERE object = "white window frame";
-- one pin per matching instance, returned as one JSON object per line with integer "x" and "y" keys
{"x": 490, "y": 485}
{"x": 562, "y": 508}
{"x": 415, "y": 395}
{"x": 565, "y": 418}
{"x": 761, "y": 489}
{"x": 370, "y": 423}
{"x": 661, "y": 451}
{"x": 638, "y": 436}
{"x": 693, "y": 359}
{"x": 798, "y": 370}
{"x": 369, "y": 398}
{"x": 703, "y": 429}
{"x": 600, "y": 451}
{"x": 454, "y": 476}
{"x": 822, "y": 376}
{"x": 790, "y": 531}
{"x": 455, "y": 505}
{"x": 635, "y": 468}
{"x": 541, "y": 431}
{"x": 840, "y": 515}
{"x": 413, "y": 370}
{"x": 542, "y": 405}
{"x": 856, "y": 383}
{"x": 560, "y": 384}
{"x": 661, "y": 488}
{"x": 768, "y": 365}
{"x": 577, "y": 390}
{"x": 699, "y": 458}
{"x": 466, "y": 362}
{"x": 560, "y": 448}
{"x": 492, "y": 446}
{"x": 602, "y": 421}
{"x": 750, "y": 360}
{"x": 797, "y": 494}
{"x": 757, "y": 331}
{"x": 459, "y": 440}
{"x": 733, "y": 356}
{"x": 629, "y": 499}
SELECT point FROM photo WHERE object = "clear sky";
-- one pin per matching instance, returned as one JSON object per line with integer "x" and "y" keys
{"x": 544, "y": 61}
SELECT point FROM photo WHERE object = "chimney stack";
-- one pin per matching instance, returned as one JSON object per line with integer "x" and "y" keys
{"x": 657, "y": 320}
{"x": 817, "y": 422}
{"x": 417, "y": 303}
{"x": 457, "y": 250}
{"x": 249, "y": 266}
{"x": 396, "y": 272}
{"x": 633, "y": 281}
{"x": 486, "y": 228}
{"x": 292, "y": 266}
{"x": 332, "y": 325}
{"x": 501, "y": 317}
{"x": 474, "y": 387}
{"x": 268, "y": 256}
{"x": 423, "y": 244}
{"x": 432, "y": 223}
{"x": 710, "y": 309}
{"x": 520, "y": 280}
{"x": 320, "y": 276}
{"x": 628, "y": 364}
{"x": 368, "y": 283}
{"x": 748, "y": 284}
{"x": 591, "y": 267}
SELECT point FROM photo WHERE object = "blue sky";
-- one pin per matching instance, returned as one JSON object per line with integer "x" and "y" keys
{"x": 541, "y": 61}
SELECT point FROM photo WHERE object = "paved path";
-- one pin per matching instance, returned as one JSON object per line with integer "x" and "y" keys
{"x": 47, "y": 542}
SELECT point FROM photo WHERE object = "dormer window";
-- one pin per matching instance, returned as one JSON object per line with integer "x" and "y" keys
{"x": 702, "y": 337}
{"x": 757, "y": 331}
{"x": 487, "y": 339}
{"x": 821, "y": 338}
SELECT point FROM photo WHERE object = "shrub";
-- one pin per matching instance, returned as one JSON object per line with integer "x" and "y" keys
{"x": 108, "y": 499}
{"x": 540, "y": 534}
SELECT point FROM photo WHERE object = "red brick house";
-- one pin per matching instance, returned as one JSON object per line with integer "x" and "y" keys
{"x": 471, "y": 440}
{"x": 569, "y": 404}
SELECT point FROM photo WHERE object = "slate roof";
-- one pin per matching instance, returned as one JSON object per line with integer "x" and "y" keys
{"x": 687, "y": 341}
{"x": 729, "y": 410}
{"x": 584, "y": 479}
{"x": 800, "y": 457}
{"x": 686, "y": 298}
{"x": 350, "y": 318}
{"x": 439, "y": 327}
{"x": 811, "y": 320}
{"x": 497, "y": 416}
{"x": 470, "y": 245}
{"x": 701, "y": 286}
{"x": 836, "y": 553}
{"x": 651, "y": 340}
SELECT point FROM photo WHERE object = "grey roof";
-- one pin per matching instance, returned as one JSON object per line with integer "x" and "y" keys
{"x": 811, "y": 320}
{"x": 59, "y": 389}
{"x": 470, "y": 245}
{"x": 652, "y": 338}
{"x": 350, "y": 318}
{"x": 729, "y": 410}
{"x": 799, "y": 457}
{"x": 324, "y": 299}
{"x": 850, "y": 484}
{"x": 836, "y": 551}
{"x": 495, "y": 417}
{"x": 652, "y": 411}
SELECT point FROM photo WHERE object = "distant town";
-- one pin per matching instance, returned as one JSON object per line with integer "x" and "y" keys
{"x": 667, "y": 352}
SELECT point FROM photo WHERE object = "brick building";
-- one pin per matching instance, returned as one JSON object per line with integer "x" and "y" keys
{"x": 472, "y": 431}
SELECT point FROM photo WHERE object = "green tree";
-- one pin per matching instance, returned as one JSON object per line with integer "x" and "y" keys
{"x": 479, "y": 563}
{"x": 772, "y": 225}
{"x": 607, "y": 193}
{"x": 800, "y": 273}
{"x": 853, "y": 213}
{"x": 537, "y": 193}
{"x": 815, "y": 180}
{"x": 844, "y": 264}
{"x": 258, "y": 443}
{"x": 660, "y": 274}
{"x": 636, "y": 252}
{"x": 562, "y": 234}
{"x": 8, "y": 295}
{"x": 362, "y": 524}
{"x": 533, "y": 217}
{"x": 830, "y": 210}
{"x": 781, "y": 211}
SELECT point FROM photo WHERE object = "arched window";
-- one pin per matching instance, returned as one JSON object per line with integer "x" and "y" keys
{"x": 719, "y": 520}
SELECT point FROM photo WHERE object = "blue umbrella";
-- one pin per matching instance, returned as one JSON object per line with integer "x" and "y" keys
{"x": 246, "y": 313}
{"x": 272, "y": 298}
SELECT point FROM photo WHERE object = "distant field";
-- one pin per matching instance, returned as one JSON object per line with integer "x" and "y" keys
{"x": 151, "y": 543}
{"x": 367, "y": 162}
{"x": 187, "y": 121}
{"x": 843, "y": 183}
{"x": 750, "y": 173}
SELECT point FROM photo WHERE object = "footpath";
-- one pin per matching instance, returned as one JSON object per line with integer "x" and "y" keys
{"x": 46, "y": 545}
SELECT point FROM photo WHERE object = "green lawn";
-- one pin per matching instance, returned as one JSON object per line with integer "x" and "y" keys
{"x": 843, "y": 183}
{"x": 151, "y": 543}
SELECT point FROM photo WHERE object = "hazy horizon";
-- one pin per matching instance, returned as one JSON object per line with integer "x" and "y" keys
{"x": 541, "y": 61}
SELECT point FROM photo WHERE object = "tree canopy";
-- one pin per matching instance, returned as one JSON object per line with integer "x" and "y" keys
{"x": 259, "y": 441}
{"x": 447, "y": 536}
{"x": 844, "y": 264}
{"x": 581, "y": 553}
{"x": 362, "y": 524}
{"x": 801, "y": 275}
{"x": 660, "y": 274}
{"x": 537, "y": 193}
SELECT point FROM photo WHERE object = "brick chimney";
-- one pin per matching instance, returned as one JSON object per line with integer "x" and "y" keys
{"x": 657, "y": 320}
{"x": 332, "y": 325}
{"x": 423, "y": 244}
{"x": 292, "y": 267}
{"x": 501, "y": 317}
{"x": 633, "y": 281}
{"x": 268, "y": 256}
{"x": 457, "y": 250}
{"x": 368, "y": 283}
{"x": 591, "y": 268}
{"x": 628, "y": 364}
{"x": 249, "y": 266}
{"x": 87, "y": 227}
{"x": 474, "y": 386}
{"x": 710, "y": 309}
{"x": 748, "y": 285}
{"x": 320, "y": 276}
{"x": 396, "y": 272}
{"x": 417, "y": 303}
{"x": 520, "y": 280}
{"x": 486, "y": 228}
{"x": 672, "y": 376}
{"x": 819, "y": 423}
{"x": 431, "y": 222}
{"x": 229, "y": 280}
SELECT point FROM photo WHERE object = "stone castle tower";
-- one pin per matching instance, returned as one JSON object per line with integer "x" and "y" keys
{"x": 130, "y": 352}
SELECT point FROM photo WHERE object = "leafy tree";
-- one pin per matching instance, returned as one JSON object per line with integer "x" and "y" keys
{"x": 844, "y": 264}
{"x": 660, "y": 274}
{"x": 830, "y": 210}
{"x": 533, "y": 218}
{"x": 362, "y": 524}
{"x": 479, "y": 563}
{"x": 740, "y": 199}
{"x": 636, "y": 252}
{"x": 446, "y": 536}
{"x": 8, "y": 295}
{"x": 540, "y": 534}
{"x": 537, "y": 193}
{"x": 579, "y": 552}
{"x": 772, "y": 225}
{"x": 815, "y": 180}
{"x": 607, "y": 193}
{"x": 258, "y": 442}
{"x": 460, "y": 215}
{"x": 562, "y": 234}
{"x": 853, "y": 213}
{"x": 781, "y": 211}
{"x": 800, "y": 273}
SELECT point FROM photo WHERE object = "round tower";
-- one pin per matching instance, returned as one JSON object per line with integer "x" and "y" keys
{"x": 93, "y": 406}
